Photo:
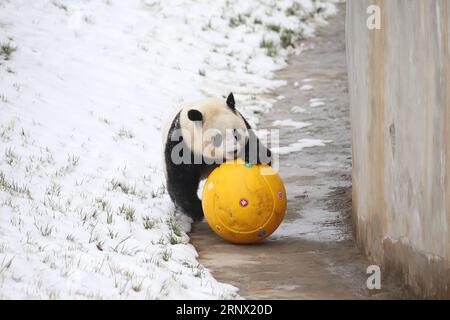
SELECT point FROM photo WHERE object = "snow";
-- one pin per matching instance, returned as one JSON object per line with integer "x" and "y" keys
{"x": 316, "y": 102}
{"x": 85, "y": 87}
{"x": 300, "y": 145}
{"x": 290, "y": 123}
{"x": 298, "y": 109}
{"x": 306, "y": 87}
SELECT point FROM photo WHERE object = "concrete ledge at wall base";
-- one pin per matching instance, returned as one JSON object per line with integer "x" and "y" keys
{"x": 426, "y": 274}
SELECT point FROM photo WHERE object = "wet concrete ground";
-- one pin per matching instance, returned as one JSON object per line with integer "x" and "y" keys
{"x": 313, "y": 254}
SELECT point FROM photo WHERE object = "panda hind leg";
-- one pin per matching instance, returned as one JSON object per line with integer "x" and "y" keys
{"x": 191, "y": 205}
{"x": 183, "y": 191}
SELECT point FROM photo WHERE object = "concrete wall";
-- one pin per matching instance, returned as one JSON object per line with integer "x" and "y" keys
{"x": 399, "y": 79}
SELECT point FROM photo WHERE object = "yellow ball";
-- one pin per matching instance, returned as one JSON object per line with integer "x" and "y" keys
{"x": 244, "y": 203}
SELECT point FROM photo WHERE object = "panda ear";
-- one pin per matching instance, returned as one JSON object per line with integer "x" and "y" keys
{"x": 230, "y": 101}
{"x": 195, "y": 115}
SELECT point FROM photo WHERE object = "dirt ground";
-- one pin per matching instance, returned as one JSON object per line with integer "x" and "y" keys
{"x": 314, "y": 255}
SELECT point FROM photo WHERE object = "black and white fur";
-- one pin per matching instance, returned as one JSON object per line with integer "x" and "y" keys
{"x": 182, "y": 179}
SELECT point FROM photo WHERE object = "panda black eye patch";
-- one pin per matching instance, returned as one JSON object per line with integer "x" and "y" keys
{"x": 195, "y": 115}
{"x": 217, "y": 140}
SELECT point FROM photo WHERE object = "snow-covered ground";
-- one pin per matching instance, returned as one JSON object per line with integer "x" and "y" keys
{"x": 85, "y": 87}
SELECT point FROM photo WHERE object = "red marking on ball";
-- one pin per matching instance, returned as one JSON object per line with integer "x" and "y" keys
{"x": 243, "y": 202}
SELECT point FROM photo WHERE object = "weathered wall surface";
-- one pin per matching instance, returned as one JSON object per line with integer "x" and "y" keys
{"x": 399, "y": 79}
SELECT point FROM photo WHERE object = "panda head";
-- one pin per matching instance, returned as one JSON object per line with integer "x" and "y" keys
{"x": 214, "y": 128}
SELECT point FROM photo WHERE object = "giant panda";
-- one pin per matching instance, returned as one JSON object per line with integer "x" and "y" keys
{"x": 197, "y": 138}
